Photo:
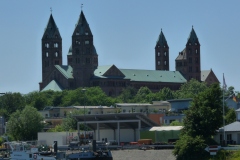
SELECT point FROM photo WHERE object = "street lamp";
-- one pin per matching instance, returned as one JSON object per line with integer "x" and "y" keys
{"x": 84, "y": 90}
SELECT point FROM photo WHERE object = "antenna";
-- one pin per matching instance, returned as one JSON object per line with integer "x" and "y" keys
{"x": 81, "y": 7}
{"x": 51, "y": 10}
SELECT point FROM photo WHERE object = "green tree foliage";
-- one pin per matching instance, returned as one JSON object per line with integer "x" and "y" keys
{"x": 176, "y": 123}
{"x": 190, "y": 89}
{"x": 202, "y": 120}
{"x": 127, "y": 95}
{"x": 70, "y": 123}
{"x": 25, "y": 124}
{"x": 10, "y": 102}
{"x": 230, "y": 116}
{"x": 144, "y": 95}
{"x": 164, "y": 94}
{"x": 204, "y": 116}
{"x": 190, "y": 148}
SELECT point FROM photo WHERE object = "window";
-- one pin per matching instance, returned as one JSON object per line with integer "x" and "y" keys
{"x": 165, "y": 63}
{"x": 46, "y": 54}
{"x": 77, "y": 42}
{"x": 56, "y": 36}
{"x": 86, "y": 42}
{"x": 165, "y": 53}
{"x": 190, "y": 44}
{"x": 47, "y": 45}
{"x": 158, "y": 62}
{"x": 56, "y": 54}
{"x": 77, "y": 33}
{"x": 55, "y": 45}
{"x": 158, "y": 54}
{"x": 195, "y": 43}
{"x": 86, "y": 33}
{"x": 196, "y": 51}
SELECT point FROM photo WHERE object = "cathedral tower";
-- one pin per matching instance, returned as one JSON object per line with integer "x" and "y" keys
{"x": 51, "y": 50}
{"x": 188, "y": 61}
{"x": 83, "y": 57}
{"x": 162, "y": 53}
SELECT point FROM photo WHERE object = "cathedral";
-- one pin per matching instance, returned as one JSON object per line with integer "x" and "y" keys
{"x": 83, "y": 70}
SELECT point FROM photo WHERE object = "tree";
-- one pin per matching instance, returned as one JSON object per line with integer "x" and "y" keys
{"x": 10, "y": 102}
{"x": 25, "y": 124}
{"x": 230, "y": 116}
{"x": 143, "y": 95}
{"x": 204, "y": 116}
{"x": 202, "y": 119}
{"x": 128, "y": 94}
{"x": 165, "y": 94}
{"x": 176, "y": 123}
{"x": 190, "y": 89}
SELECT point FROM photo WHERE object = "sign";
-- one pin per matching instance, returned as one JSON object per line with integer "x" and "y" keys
{"x": 212, "y": 150}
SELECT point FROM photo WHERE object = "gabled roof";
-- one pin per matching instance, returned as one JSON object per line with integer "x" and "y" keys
{"x": 53, "y": 85}
{"x": 142, "y": 75}
{"x": 192, "y": 37}
{"x": 182, "y": 55}
{"x": 102, "y": 72}
{"x": 233, "y": 127}
{"x": 65, "y": 70}
{"x": 162, "y": 40}
{"x": 82, "y": 25}
{"x": 70, "y": 50}
{"x": 204, "y": 74}
{"x": 153, "y": 76}
{"x": 51, "y": 29}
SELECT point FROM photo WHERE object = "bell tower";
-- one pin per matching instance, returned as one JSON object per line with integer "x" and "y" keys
{"x": 84, "y": 58}
{"x": 51, "y": 50}
{"x": 161, "y": 53}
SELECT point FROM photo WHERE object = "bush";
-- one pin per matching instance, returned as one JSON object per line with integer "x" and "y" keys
{"x": 189, "y": 148}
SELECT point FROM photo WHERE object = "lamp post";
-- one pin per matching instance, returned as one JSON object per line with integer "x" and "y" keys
{"x": 84, "y": 90}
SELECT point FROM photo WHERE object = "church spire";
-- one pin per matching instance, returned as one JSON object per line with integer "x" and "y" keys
{"x": 82, "y": 26}
{"x": 51, "y": 30}
{"x": 162, "y": 40}
{"x": 192, "y": 39}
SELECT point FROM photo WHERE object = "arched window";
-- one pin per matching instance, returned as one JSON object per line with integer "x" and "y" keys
{"x": 196, "y": 51}
{"x": 165, "y": 53}
{"x": 159, "y": 54}
{"x": 56, "y": 54}
{"x": 55, "y": 45}
{"x": 165, "y": 63}
{"x": 47, "y": 45}
{"x": 46, "y": 54}
{"x": 158, "y": 62}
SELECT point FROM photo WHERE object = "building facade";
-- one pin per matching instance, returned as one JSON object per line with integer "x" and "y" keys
{"x": 83, "y": 70}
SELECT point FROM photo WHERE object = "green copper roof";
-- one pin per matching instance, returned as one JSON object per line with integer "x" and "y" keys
{"x": 192, "y": 37}
{"x": 162, "y": 40}
{"x": 142, "y": 75}
{"x": 51, "y": 29}
{"x": 53, "y": 85}
{"x": 65, "y": 70}
{"x": 82, "y": 25}
{"x": 153, "y": 76}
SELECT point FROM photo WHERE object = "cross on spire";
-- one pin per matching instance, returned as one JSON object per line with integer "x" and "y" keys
{"x": 51, "y": 10}
{"x": 81, "y": 6}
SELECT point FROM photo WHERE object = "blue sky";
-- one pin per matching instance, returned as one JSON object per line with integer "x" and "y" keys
{"x": 125, "y": 34}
